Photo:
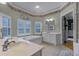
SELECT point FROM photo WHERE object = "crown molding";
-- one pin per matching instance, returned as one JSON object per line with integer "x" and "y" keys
{"x": 14, "y": 7}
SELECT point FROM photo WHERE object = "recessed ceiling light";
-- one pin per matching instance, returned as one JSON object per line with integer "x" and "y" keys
{"x": 37, "y": 6}
{"x": 3, "y": 2}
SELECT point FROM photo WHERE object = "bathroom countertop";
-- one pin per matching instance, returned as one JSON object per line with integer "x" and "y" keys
{"x": 51, "y": 33}
{"x": 22, "y": 49}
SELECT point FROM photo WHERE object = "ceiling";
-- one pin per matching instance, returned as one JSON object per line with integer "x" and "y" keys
{"x": 45, "y": 7}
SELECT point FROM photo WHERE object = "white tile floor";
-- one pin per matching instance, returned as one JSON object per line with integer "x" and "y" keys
{"x": 51, "y": 50}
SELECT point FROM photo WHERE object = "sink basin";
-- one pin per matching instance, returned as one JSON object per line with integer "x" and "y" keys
{"x": 12, "y": 44}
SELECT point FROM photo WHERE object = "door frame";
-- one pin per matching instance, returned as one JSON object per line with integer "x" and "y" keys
{"x": 62, "y": 24}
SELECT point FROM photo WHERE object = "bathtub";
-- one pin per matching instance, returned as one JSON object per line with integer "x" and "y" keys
{"x": 33, "y": 38}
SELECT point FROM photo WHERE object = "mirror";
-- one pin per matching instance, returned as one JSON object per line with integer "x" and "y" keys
{"x": 50, "y": 24}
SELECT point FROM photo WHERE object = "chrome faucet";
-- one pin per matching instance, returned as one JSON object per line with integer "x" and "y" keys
{"x": 5, "y": 45}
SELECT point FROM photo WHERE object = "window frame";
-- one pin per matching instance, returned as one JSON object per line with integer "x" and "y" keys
{"x": 19, "y": 34}
{"x": 40, "y": 27}
{"x": 24, "y": 24}
{"x": 2, "y": 14}
{"x": 30, "y": 28}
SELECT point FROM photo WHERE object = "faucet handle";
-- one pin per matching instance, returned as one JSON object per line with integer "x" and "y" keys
{"x": 5, "y": 39}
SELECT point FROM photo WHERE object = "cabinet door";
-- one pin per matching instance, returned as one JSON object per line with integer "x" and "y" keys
{"x": 52, "y": 39}
{"x": 45, "y": 37}
{"x": 58, "y": 39}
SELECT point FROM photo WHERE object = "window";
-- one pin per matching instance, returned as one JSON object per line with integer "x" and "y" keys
{"x": 27, "y": 27}
{"x": 20, "y": 27}
{"x": 24, "y": 27}
{"x": 38, "y": 27}
{"x": 6, "y": 26}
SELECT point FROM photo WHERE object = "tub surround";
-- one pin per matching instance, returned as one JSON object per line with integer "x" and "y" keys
{"x": 22, "y": 48}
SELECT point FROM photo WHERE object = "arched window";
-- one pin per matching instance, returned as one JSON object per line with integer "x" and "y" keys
{"x": 38, "y": 27}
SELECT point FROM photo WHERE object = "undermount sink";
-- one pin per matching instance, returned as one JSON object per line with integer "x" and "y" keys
{"x": 12, "y": 44}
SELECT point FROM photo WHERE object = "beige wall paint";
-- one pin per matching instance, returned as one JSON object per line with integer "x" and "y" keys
{"x": 15, "y": 14}
{"x": 56, "y": 17}
{"x": 14, "y": 17}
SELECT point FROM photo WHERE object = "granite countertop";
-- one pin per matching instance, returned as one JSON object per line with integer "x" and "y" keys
{"x": 22, "y": 48}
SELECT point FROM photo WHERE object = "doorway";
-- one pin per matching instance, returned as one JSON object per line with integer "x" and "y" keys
{"x": 67, "y": 30}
